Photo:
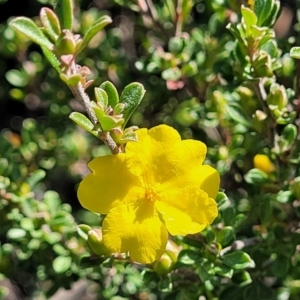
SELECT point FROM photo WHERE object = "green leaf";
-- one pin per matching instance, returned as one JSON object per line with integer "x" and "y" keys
{"x": 83, "y": 231}
{"x": 61, "y": 264}
{"x": 27, "y": 224}
{"x": 171, "y": 74}
{"x": 224, "y": 271}
{"x": 274, "y": 14}
{"x": 266, "y": 11}
{"x": 118, "y": 109}
{"x": 256, "y": 176}
{"x": 52, "y": 200}
{"x": 257, "y": 291}
{"x": 131, "y": 96}
{"x": 52, "y": 59}
{"x": 165, "y": 285}
{"x": 35, "y": 178}
{"x": 284, "y": 196}
{"x": 83, "y": 122}
{"x": 93, "y": 30}
{"x": 175, "y": 45}
{"x": 112, "y": 93}
{"x": 189, "y": 69}
{"x": 17, "y": 78}
{"x": 289, "y": 134}
{"x": 64, "y": 10}
{"x": 205, "y": 270}
{"x": 221, "y": 198}
{"x": 236, "y": 113}
{"x": 3, "y": 165}
{"x": 295, "y": 52}
{"x": 281, "y": 266}
{"x": 16, "y": 233}
{"x": 50, "y": 23}
{"x": 241, "y": 278}
{"x": 101, "y": 97}
{"x": 188, "y": 257}
{"x": 70, "y": 80}
{"x": 270, "y": 47}
{"x": 107, "y": 122}
{"x": 32, "y": 31}
{"x": 235, "y": 293}
{"x": 265, "y": 209}
{"x": 238, "y": 260}
{"x": 225, "y": 235}
{"x": 228, "y": 215}
{"x": 238, "y": 32}
{"x": 250, "y": 18}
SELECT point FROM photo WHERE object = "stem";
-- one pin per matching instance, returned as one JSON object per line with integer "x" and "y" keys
{"x": 148, "y": 8}
{"x": 178, "y": 18}
{"x": 262, "y": 97}
{"x": 81, "y": 96}
{"x": 240, "y": 244}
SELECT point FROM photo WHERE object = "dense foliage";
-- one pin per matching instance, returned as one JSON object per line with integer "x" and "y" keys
{"x": 216, "y": 72}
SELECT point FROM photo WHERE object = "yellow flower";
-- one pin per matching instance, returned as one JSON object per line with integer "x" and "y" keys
{"x": 158, "y": 185}
{"x": 263, "y": 163}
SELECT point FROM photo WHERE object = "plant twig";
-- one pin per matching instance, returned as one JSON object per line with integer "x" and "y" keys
{"x": 81, "y": 96}
{"x": 262, "y": 97}
{"x": 240, "y": 244}
{"x": 178, "y": 27}
{"x": 148, "y": 8}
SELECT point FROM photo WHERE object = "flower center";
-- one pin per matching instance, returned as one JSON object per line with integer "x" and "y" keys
{"x": 151, "y": 193}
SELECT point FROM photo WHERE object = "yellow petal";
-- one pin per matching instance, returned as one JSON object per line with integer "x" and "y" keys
{"x": 108, "y": 185}
{"x": 161, "y": 157}
{"x": 178, "y": 222}
{"x": 151, "y": 143}
{"x": 181, "y": 165}
{"x": 187, "y": 210}
{"x": 209, "y": 180}
{"x": 135, "y": 228}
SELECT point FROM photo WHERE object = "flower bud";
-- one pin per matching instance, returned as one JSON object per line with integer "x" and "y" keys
{"x": 66, "y": 43}
{"x": 263, "y": 163}
{"x": 95, "y": 242}
{"x": 164, "y": 265}
{"x": 173, "y": 250}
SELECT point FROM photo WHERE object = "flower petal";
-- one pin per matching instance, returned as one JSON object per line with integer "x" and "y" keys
{"x": 136, "y": 228}
{"x": 178, "y": 222}
{"x": 181, "y": 165}
{"x": 187, "y": 210}
{"x": 108, "y": 185}
{"x": 209, "y": 180}
{"x": 160, "y": 156}
{"x": 151, "y": 143}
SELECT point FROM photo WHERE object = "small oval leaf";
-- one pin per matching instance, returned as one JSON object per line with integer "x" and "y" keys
{"x": 83, "y": 122}
{"x": 95, "y": 28}
{"x": 64, "y": 10}
{"x": 50, "y": 23}
{"x": 61, "y": 264}
{"x": 32, "y": 31}
{"x": 112, "y": 93}
{"x": 131, "y": 96}
{"x": 238, "y": 260}
{"x": 52, "y": 59}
